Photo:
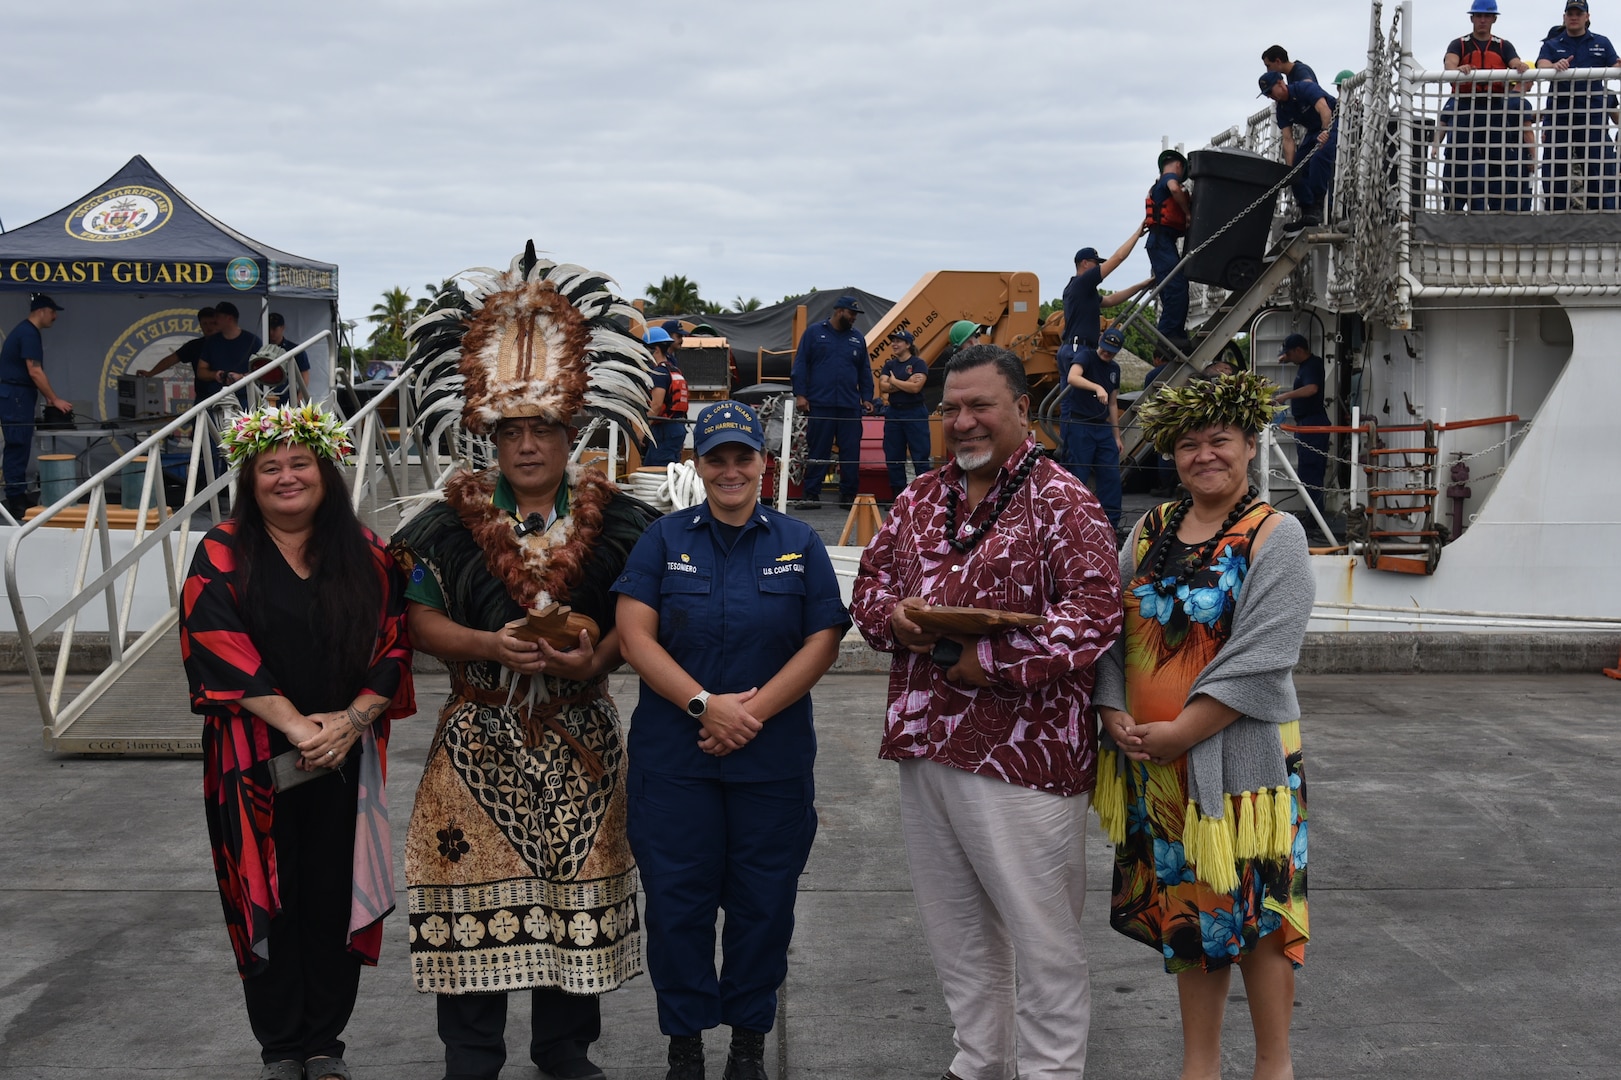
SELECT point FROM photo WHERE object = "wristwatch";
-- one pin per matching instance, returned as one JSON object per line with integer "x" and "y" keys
{"x": 698, "y": 704}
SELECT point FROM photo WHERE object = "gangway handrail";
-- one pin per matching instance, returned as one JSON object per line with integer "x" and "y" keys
{"x": 1362, "y": 429}
{"x": 55, "y": 716}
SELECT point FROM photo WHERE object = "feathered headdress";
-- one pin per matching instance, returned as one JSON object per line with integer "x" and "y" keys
{"x": 1243, "y": 399}
{"x": 262, "y": 430}
{"x": 542, "y": 339}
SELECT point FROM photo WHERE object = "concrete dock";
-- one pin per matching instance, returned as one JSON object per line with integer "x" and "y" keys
{"x": 1464, "y": 878}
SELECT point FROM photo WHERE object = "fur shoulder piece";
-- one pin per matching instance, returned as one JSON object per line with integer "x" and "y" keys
{"x": 540, "y": 567}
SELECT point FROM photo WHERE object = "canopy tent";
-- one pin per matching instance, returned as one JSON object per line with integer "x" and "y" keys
{"x": 131, "y": 262}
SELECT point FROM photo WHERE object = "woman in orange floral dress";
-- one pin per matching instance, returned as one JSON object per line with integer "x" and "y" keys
{"x": 1201, "y": 785}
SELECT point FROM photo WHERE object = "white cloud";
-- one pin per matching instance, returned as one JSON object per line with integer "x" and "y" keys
{"x": 758, "y": 148}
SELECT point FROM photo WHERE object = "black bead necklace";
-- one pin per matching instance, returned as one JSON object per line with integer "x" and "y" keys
{"x": 1200, "y": 556}
{"x": 1013, "y": 485}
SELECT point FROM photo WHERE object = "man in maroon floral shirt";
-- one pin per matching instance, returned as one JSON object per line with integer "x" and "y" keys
{"x": 995, "y": 735}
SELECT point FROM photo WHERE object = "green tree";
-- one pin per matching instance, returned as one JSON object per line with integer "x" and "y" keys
{"x": 674, "y": 295}
{"x": 392, "y": 315}
{"x": 740, "y": 305}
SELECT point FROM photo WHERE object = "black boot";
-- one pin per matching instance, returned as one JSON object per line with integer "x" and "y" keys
{"x": 686, "y": 1058}
{"x": 746, "y": 1059}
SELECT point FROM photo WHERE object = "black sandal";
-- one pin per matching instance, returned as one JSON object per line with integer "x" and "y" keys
{"x": 282, "y": 1070}
{"x": 324, "y": 1067}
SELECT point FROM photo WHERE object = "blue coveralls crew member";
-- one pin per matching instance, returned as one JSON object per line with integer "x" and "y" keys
{"x": 730, "y": 613}
{"x": 1312, "y": 107}
{"x": 1276, "y": 58}
{"x": 22, "y": 382}
{"x": 1165, "y": 220}
{"x": 1083, "y": 304}
{"x": 1306, "y": 406}
{"x": 1090, "y": 422}
{"x": 833, "y": 386}
{"x": 1485, "y": 140}
{"x": 906, "y": 418}
{"x": 1581, "y": 158}
{"x": 667, "y": 410}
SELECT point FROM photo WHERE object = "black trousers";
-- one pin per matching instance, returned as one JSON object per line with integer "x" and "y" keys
{"x": 473, "y": 1029}
{"x": 300, "y": 1004}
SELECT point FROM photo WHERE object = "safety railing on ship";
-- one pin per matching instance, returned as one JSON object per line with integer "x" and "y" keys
{"x": 114, "y": 577}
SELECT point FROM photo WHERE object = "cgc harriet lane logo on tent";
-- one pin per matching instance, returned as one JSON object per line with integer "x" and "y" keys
{"x": 121, "y": 213}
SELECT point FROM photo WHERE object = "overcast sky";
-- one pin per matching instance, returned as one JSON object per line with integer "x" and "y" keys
{"x": 758, "y": 148}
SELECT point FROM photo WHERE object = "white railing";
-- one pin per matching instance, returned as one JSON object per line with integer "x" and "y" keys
{"x": 114, "y": 577}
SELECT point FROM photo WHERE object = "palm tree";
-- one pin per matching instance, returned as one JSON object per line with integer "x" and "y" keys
{"x": 391, "y": 316}
{"x": 674, "y": 295}
{"x": 740, "y": 305}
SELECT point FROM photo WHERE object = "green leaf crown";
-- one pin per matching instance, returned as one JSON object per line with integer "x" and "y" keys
{"x": 1243, "y": 399}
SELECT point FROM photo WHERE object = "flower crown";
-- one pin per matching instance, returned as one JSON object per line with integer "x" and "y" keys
{"x": 258, "y": 432}
{"x": 1243, "y": 399}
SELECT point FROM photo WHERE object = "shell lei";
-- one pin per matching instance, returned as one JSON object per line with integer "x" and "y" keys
{"x": 538, "y": 568}
{"x": 1253, "y": 824}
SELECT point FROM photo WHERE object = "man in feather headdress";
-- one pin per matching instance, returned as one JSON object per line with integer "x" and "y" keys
{"x": 517, "y": 869}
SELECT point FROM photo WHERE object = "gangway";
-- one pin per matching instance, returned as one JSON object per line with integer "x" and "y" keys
{"x": 1224, "y": 324}
{"x": 137, "y": 704}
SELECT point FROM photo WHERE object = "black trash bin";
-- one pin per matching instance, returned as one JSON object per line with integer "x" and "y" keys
{"x": 1226, "y": 182}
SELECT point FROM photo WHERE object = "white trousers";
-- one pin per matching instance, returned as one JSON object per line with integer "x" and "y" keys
{"x": 999, "y": 873}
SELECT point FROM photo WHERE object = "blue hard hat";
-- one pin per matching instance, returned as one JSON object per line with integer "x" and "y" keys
{"x": 657, "y": 336}
{"x": 1483, "y": 7}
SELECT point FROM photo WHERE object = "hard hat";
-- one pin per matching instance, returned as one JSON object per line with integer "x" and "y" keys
{"x": 1342, "y": 76}
{"x": 1171, "y": 155}
{"x": 1483, "y": 7}
{"x": 657, "y": 336}
{"x": 962, "y": 330}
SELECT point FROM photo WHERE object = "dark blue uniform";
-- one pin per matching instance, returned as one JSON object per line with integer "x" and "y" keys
{"x": 1088, "y": 431}
{"x": 1083, "y": 309}
{"x": 906, "y": 425}
{"x": 1310, "y": 184}
{"x": 1301, "y": 73}
{"x": 1164, "y": 252}
{"x": 1581, "y": 158}
{"x": 18, "y": 398}
{"x": 725, "y": 833}
{"x": 1311, "y": 448}
{"x": 832, "y": 372}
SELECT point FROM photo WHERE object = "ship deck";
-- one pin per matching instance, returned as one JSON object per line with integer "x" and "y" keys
{"x": 1464, "y": 865}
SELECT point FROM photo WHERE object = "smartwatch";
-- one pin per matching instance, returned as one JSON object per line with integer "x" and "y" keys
{"x": 698, "y": 704}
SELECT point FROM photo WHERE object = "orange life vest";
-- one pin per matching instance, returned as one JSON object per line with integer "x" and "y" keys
{"x": 1487, "y": 56}
{"x": 675, "y": 400}
{"x": 1165, "y": 213}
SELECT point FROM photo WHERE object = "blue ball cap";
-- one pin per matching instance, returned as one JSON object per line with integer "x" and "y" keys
{"x": 1111, "y": 342}
{"x": 1088, "y": 254}
{"x": 673, "y": 327}
{"x": 1294, "y": 341}
{"x": 902, "y": 335}
{"x": 847, "y": 302}
{"x": 724, "y": 422}
{"x": 1575, "y": 5}
{"x": 1268, "y": 81}
{"x": 657, "y": 336}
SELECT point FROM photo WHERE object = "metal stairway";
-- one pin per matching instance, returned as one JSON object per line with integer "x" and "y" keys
{"x": 1219, "y": 329}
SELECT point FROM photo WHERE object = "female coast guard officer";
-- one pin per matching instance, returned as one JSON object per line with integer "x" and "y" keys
{"x": 730, "y": 612}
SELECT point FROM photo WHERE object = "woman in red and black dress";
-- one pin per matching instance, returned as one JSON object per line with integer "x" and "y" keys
{"x": 293, "y": 634}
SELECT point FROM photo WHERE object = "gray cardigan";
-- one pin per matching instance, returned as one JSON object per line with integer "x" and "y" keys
{"x": 1253, "y": 671}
